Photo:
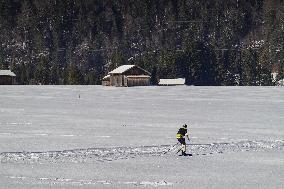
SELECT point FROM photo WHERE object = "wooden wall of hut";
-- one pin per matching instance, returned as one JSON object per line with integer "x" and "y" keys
{"x": 106, "y": 83}
{"x": 7, "y": 80}
{"x": 117, "y": 80}
{"x": 138, "y": 81}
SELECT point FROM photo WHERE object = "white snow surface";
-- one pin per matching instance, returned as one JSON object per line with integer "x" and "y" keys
{"x": 108, "y": 137}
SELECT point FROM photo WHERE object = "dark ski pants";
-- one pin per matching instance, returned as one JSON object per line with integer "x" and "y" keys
{"x": 183, "y": 145}
{"x": 181, "y": 140}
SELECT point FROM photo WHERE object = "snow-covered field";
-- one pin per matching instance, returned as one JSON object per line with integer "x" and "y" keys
{"x": 105, "y": 137}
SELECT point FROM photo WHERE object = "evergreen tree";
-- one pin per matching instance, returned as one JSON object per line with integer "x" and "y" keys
{"x": 154, "y": 77}
{"x": 3, "y": 66}
{"x": 265, "y": 67}
{"x": 280, "y": 75}
{"x": 42, "y": 72}
{"x": 73, "y": 75}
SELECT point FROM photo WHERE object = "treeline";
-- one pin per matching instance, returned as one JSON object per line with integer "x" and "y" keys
{"x": 208, "y": 42}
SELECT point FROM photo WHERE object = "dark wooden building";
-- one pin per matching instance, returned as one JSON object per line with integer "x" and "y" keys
{"x": 106, "y": 80}
{"x": 127, "y": 76}
{"x": 7, "y": 77}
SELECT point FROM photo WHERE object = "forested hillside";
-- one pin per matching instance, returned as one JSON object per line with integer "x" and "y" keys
{"x": 209, "y": 42}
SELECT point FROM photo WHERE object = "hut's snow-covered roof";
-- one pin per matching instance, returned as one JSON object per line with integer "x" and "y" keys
{"x": 138, "y": 76}
{"x": 121, "y": 69}
{"x": 7, "y": 73}
{"x": 106, "y": 77}
{"x": 178, "y": 81}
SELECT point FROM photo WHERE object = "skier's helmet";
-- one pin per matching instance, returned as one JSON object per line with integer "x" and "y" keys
{"x": 185, "y": 126}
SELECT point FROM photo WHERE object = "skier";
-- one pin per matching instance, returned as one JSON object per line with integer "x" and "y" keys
{"x": 182, "y": 132}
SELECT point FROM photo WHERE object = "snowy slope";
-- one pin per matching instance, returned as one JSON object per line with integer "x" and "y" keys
{"x": 105, "y": 137}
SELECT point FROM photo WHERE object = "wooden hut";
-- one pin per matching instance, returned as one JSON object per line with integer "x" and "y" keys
{"x": 7, "y": 77}
{"x": 106, "y": 80}
{"x": 127, "y": 76}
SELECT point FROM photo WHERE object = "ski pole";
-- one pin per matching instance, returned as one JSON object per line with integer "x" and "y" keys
{"x": 179, "y": 150}
{"x": 181, "y": 147}
{"x": 172, "y": 147}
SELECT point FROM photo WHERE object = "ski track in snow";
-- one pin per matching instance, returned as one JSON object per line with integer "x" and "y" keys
{"x": 81, "y": 182}
{"x": 117, "y": 153}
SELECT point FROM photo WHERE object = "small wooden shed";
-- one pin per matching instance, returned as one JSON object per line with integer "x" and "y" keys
{"x": 7, "y": 77}
{"x": 127, "y": 76}
{"x": 172, "y": 82}
{"x": 106, "y": 80}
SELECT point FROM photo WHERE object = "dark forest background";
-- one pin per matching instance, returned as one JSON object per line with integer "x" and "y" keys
{"x": 208, "y": 42}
